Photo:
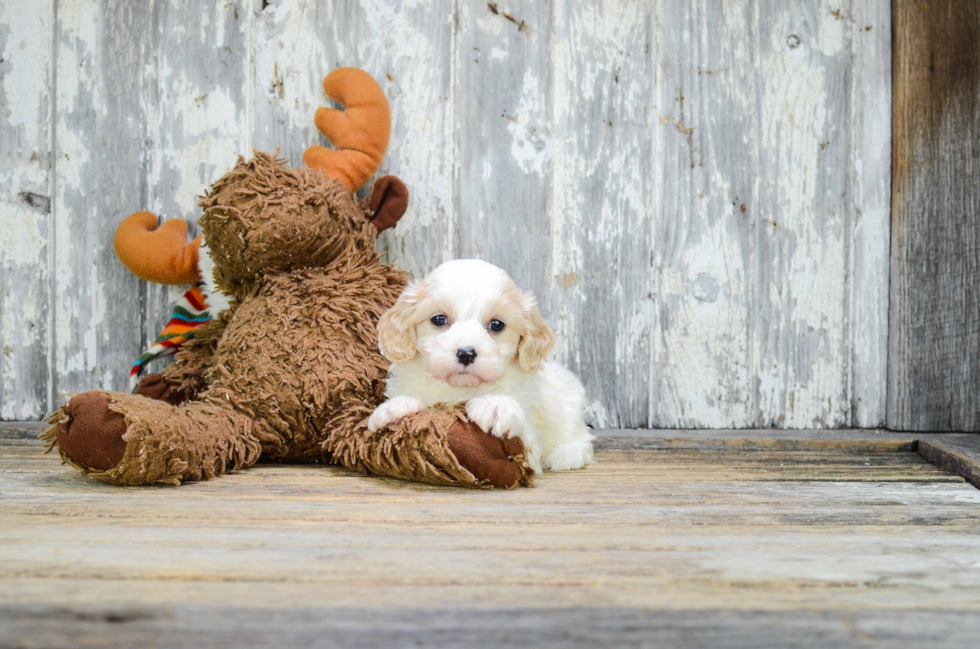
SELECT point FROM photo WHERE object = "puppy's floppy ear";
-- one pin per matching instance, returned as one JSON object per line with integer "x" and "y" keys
{"x": 396, "y": 329}
{"x": 536, "y": 344}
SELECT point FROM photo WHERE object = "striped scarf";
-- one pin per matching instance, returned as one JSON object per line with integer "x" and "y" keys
{"x": 190, "y": 312}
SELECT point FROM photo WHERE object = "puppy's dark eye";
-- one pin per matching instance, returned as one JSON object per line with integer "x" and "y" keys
{"x": 496, "y": 325}
{"x": 439, "y": 320}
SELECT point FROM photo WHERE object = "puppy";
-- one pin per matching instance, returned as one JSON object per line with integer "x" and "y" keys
{"x": 466, "y": 334}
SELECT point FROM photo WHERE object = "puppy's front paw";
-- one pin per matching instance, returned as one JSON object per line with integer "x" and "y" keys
{"x": 394, "y": 410}
{"x": 496, "y": 414}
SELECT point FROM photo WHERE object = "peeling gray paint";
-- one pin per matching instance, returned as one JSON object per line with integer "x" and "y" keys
{"x": 697, "y": 192}
{"x": 25, "y": 207}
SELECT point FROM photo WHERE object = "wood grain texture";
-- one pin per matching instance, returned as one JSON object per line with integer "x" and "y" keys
{"x": 857, "y": 547}
{"x": 695, "y": 191}
{"x": 601, "y": 245}
{"x": 757, "y": 112}
{"x": 960, "y": 455}
{"x": 868, "y": 202}
{"x": 801, "y": 221}
{"x": 503, "y": 117}
{"x": 705, "y": 114}
{"x": 100, "y": 126}
{"x": 54, "y": 627}
{"x": 751, "y": 440}
{"x": 197, "y": 98}
{"x": 934, "y": 346}
{"x": 26, "y": 93}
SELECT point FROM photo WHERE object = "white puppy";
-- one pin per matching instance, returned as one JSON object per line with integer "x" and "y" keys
{"x": 466, "y": 334}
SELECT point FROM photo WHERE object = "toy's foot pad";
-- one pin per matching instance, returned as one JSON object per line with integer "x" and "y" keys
{"x": 93, "y": 434}
{"x": 487, "y": 457}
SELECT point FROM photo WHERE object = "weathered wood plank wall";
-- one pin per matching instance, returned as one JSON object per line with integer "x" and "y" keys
{"x": 98, "y": 162}
{"x": 697, "y": 191}
{"x": 26, "y": 187}
{"x": 934, "y": 366}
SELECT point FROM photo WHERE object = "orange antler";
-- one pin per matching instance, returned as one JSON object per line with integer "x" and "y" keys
{"x": 360, "y": 132}
{"x": 160, "y": 255}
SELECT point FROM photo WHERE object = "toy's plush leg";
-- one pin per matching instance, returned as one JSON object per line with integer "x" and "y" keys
{"x": 437, "y": 446}
{"x": 130, "y": 439}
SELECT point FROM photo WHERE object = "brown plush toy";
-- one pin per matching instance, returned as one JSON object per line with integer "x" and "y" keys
{"x": 290, "y": 368}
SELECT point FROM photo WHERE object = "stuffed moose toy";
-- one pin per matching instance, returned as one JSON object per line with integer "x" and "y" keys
{"x": 289, "y": 369}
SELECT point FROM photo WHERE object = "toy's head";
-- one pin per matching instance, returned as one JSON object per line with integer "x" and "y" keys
{"x": 263, "y": 216}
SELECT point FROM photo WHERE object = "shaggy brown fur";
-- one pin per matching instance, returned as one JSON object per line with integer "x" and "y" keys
{"x": 292, "y": 369}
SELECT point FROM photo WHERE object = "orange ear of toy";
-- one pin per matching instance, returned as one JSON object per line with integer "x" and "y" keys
{"x": 359, "y": 133}
{"x": 160, "y": 255}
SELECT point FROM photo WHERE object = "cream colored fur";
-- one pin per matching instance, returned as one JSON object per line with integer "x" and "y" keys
{"x": 509, "y": 390}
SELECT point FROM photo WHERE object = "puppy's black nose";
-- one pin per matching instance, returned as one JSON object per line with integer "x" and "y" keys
{"x": 466, "y": 355}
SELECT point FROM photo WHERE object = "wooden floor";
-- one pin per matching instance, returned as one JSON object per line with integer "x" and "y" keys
{"x": 714, "y": 540}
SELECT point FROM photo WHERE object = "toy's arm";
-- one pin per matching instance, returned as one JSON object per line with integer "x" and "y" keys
{"x": 186, "y": 376}
{"x": 435, "y": 446}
